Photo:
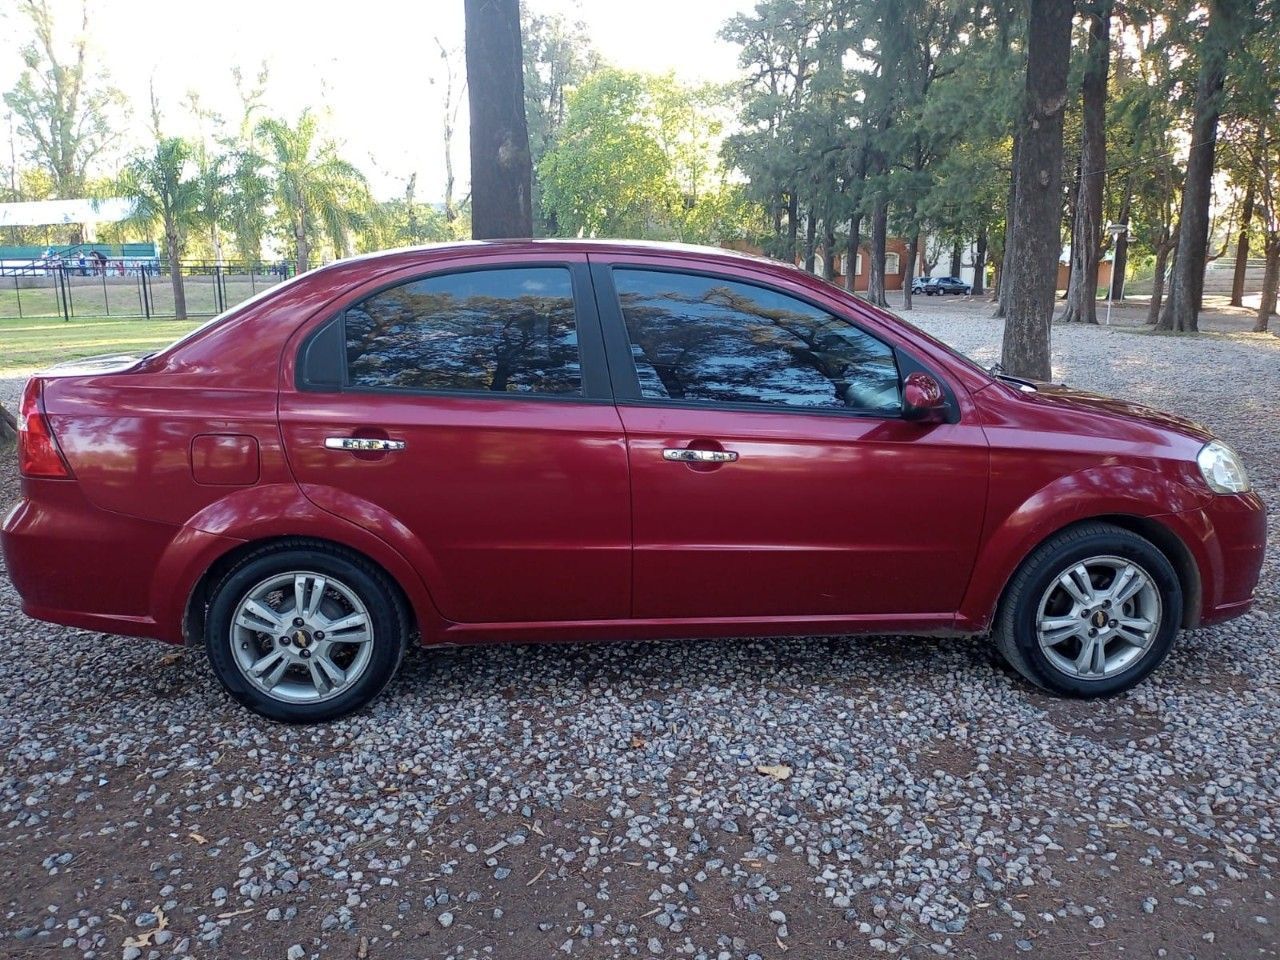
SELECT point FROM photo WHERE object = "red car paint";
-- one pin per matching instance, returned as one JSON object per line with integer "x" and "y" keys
{"x": 516, "y": 518}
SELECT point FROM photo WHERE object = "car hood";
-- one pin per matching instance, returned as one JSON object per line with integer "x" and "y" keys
{"x": 1060, "y": 395}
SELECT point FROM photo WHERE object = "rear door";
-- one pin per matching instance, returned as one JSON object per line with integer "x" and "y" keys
{"x": 482, "y": 390}
{"x": 772, "y": 471}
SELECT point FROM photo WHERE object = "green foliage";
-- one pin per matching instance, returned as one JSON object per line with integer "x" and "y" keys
{"x": 636, "y": 157}
{"x": 65, "y": 112}
{"x": 558, "y": 56}
{"x": 319, "y": 196}
{"x": 166, "y": 193}
{"x": 404, "y": 222}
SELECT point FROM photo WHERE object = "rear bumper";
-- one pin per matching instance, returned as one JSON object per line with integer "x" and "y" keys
{"x": 75, "y": 564}
{"x": 1228, "y": 538}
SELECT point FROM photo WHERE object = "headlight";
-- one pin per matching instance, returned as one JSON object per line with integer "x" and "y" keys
{"x": 1222, "y": 469}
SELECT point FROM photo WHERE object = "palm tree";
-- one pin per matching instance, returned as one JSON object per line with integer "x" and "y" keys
{"x": 317, "y": 192}
{"x": 164, "y": 196}
{"x": 249, "y": 198}
{"x": 214, "y": 184}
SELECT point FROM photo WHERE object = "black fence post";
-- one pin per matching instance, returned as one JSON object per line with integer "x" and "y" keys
{"x": 145, "y": 277}
{"x": 64, "y": 292}
{"x": 219, "y": 291}
{"x": 106, "y": 301}
{"x": 17, "y": 292}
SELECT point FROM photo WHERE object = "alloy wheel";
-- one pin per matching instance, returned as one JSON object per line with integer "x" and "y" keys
{"x": 1098, "y": 617}
{"x": 301, "y": 636}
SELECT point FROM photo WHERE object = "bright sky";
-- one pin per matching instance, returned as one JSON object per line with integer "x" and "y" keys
{"x": 368, "y": 64}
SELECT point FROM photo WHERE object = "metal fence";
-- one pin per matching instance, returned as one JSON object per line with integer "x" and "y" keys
{"x": 130, "y": 288}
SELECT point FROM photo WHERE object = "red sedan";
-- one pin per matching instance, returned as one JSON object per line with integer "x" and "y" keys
{"x": 504, "y": 442}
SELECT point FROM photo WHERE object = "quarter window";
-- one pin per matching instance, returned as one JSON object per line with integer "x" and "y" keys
{"x": 698, "y": 338}
{"x": 507, "y": 330}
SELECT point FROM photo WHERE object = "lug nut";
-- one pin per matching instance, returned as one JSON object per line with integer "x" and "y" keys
{"x": 284, "y": 641}
{"x": 1092, "y": 632}
{"x": 1112, "y": 623}
{"x": 305, "y": 653}
{"x": 297, "y": 621}
{"x": 319, "y": 634}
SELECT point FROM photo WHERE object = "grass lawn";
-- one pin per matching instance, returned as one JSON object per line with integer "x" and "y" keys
{"x": 30, "y": 344}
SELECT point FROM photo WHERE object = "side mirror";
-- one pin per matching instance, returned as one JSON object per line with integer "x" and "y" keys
{"x": 922, "y": 397}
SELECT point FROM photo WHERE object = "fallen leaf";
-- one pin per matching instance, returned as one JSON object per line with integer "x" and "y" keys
{"x": 637, "y": 741}
{"x": 235, "y": 913}
{"x": 782, "y": 946}
{"x": 779, "y": 771}
{"x": 144, "y": 939}
{"x": 364, "y": 949}
{"x": 169, "y": 659}
{"x": 197, "y": 838}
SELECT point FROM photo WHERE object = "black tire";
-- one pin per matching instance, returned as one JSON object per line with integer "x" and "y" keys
{"x": 387, "y": 614}
{"x": 1015, "y": 630}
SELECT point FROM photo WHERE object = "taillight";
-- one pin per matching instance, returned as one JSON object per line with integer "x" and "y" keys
{"x": 38, "y": 453}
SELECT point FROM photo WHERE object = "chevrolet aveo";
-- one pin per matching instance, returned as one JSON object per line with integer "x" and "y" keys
{"x": 520, "y": 441}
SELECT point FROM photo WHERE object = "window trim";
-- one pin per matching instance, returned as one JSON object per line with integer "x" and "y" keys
{"x": 594, "y": 382}
{"x": 626, "y": 385}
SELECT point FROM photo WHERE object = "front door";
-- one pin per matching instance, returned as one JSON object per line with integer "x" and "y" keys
{"x": 772, "y": 472}
{"x": 482, "y": 389}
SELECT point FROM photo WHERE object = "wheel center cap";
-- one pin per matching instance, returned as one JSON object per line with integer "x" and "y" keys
{"x": 1100, "y": 618}
{"x": 301, "y": 638}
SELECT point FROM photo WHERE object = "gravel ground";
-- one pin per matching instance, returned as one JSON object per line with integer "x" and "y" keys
{"x": 608, "y": 800}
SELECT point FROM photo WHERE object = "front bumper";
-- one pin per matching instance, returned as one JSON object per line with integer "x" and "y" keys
{"x": 1228, "y": 538}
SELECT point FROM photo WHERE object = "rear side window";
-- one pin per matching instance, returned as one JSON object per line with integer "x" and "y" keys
{"x": 508, "y": 330}
{"x": 699, "y": 338}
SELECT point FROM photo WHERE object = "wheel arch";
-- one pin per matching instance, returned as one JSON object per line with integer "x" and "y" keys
{"x": 194, "y": 612}
{"x": 1149, "y": 528}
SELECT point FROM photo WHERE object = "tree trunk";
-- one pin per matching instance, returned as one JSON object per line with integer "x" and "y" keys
{"x": 1120, "y": 262}
{"x": 1002, "y": 288}
{"x": 793, "y": 227}
{"x": 828, "y": 250}
{"x": 913, "y": 249}
{"x": 879, "y": 229}
{"x": 1242, "y": 247}
{"x": 810, "y": 235}
{"x": 175, "y": 275}
{"x": 851, "y": 257}
{"x": 980, "y": 263}
{"x": 1227, "y": 19}
{"x": 501, "y": 169}
{"x": 1038, "y": 206}
{"x": 957, "y": 259}
{"x": 1270, "y": 282}
{"x": 1157, "y": 283}
{"x": 1086, "y": 239}
{"x": 302, "y": 251}
{"x": 8, "y": 426}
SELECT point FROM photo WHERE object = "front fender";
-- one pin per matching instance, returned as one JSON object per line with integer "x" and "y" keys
{"x": 266, "y": 512}
{"x": 1015, "y": 525}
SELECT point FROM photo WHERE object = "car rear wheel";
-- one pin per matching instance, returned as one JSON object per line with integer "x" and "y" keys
{"x": 1091, "y": 612}
{"x": 304, "y": 634}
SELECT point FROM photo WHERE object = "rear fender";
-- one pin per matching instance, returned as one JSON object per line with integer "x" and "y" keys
{"x": 267, "y": 512}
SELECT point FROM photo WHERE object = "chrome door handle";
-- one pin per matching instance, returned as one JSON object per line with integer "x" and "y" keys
{"x": 362, "y": 443}
{"x": 689, "y": 455}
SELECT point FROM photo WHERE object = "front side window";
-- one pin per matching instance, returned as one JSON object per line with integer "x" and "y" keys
{"x": 507, "y": 330}
{"x": 698, "y": 338}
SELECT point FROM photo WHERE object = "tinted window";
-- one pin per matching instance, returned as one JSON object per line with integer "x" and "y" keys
{"x": 507, "y": 331}
{"x": 704, "y": 338}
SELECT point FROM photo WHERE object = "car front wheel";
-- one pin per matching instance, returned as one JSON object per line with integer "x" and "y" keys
{"x": 1091, "y": 612}
{"x": 305, "y": 634}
